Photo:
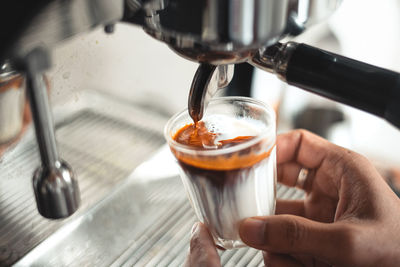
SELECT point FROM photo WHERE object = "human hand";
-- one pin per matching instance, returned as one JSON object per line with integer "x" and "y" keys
{"x": 349, "y": 217}
{"x": 202, "y": 249}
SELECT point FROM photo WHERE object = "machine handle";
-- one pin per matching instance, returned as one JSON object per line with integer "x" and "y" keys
{"x": 360, "y": 85}
{"x": 363, "y": 86}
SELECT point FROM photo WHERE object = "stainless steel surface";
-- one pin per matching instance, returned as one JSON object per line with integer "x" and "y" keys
{"x": 225, "y": 75}
{"x": 310, "y": 12}
{"x": 274, "y": 59}
{"x": 42, "y": 117}
{"x": 218, "y": 32}
{"x": 56, "y": 191}
{"x": 227, "y": 32}
{"x": 102, "y": 143}
{"x": 57, "y": 20}
{"x": 54, "y": 182}
{"x": 7, "y": 72}
{"x": 206, "y": 82}
{"x": 12, "y": 102}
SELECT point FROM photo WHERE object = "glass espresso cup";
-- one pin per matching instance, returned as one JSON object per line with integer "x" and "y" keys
{"x": 226, "y": 184}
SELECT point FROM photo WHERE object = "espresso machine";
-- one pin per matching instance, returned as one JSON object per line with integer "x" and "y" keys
{"x": 216, "y": 33}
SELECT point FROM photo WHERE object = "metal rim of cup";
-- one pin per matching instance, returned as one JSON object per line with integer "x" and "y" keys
{"x": 270, "y": 130}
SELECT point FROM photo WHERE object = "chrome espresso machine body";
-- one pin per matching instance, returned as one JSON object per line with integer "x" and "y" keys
{"x": 216, "y": 32}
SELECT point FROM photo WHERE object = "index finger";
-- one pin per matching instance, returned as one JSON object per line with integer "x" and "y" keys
{"x": 302, "y": 147}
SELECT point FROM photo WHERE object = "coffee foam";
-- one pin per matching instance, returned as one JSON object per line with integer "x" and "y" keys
{"x": 228, "y": 127}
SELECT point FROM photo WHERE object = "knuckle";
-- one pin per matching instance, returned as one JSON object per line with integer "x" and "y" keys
{"x": 302, "y": 132}
{"x": 338, "y": 164}
{"x": 351, "y": 157}
{"x": 307, "y": 135}
{"x": 347, "y": 155}
{"x": 266, "y": 234}
{"x": 344, "y": 163}
{"x": 294, "y": 233}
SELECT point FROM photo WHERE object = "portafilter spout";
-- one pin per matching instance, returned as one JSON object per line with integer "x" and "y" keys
{"x": 206, "y": 82}
{"x": 56, "y": 189}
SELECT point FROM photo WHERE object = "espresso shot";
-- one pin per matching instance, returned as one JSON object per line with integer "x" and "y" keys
{"x": 228, "y": 163}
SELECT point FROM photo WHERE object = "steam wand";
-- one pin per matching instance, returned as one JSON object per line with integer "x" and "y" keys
{"x": 56, "y": 189}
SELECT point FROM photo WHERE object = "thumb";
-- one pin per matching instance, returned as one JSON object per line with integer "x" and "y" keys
{"x": 288, "y": 234}
{"x": 202, "y": 249}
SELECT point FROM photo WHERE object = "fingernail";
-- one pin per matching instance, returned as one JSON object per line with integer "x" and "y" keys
{"x": 220, "y": 248}
{"x": 252, "y": 231}
{"x": 195, "y": 228}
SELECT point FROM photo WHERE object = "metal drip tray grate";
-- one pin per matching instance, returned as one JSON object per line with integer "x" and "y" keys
{"x": 165, "y": 242}
{"x": 103, "y": 149}
{"x": 140, "y": 224}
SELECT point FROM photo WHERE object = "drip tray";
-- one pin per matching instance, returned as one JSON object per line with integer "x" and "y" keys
{"x": 146, "y": 221}
{"x": 103, "y": 139}
{"x": 126, "y": 219}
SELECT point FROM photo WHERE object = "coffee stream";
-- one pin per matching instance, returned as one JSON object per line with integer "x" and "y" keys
{"x": 196, "y": 135}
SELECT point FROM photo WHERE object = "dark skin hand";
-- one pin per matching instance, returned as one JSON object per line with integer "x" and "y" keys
{"x": 202, "y": 248}
{"x": 349, "y": 217}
